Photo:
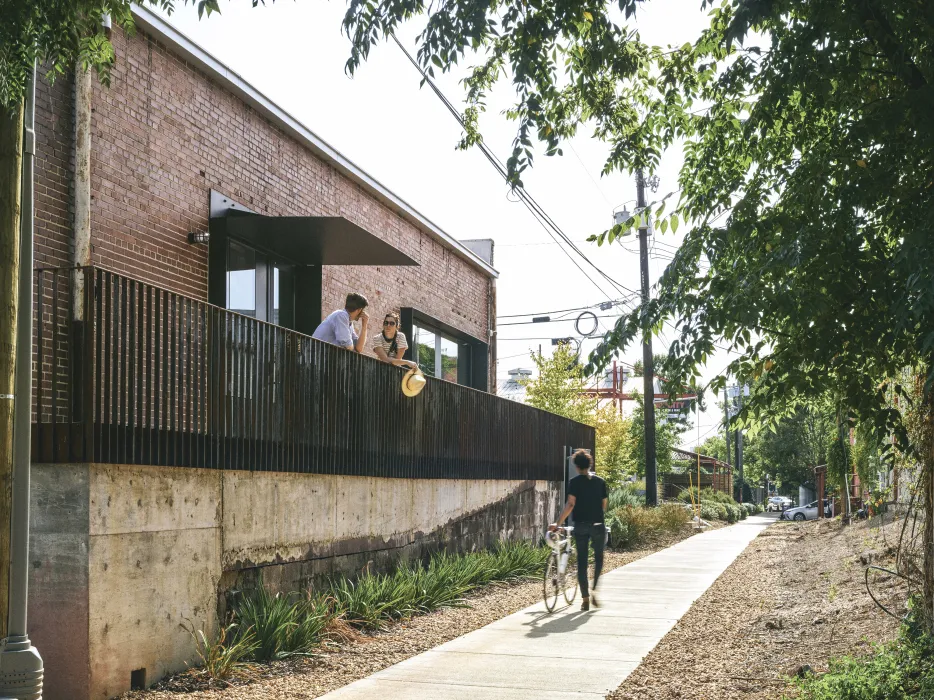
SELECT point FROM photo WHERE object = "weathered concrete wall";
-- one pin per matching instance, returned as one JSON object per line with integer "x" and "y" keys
{"x": 355, "y": 521}
{"x": 155, "y": 544}
{"x": 126, "y": 557}
{"x": 58, "y": 580}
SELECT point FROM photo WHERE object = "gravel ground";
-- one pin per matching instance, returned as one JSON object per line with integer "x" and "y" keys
{"x": 795, "y": 597}
{"x": 336, "y": 667}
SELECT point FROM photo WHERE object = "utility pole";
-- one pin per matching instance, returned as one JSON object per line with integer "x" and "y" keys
{"x": 739, "y": 460}
{"x": 648, "y": 368}
{"x": 726, "y": 426}
{"x": 21, "y": 669}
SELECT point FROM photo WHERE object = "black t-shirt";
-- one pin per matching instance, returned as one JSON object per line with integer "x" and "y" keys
{"x": 589, "y": 495}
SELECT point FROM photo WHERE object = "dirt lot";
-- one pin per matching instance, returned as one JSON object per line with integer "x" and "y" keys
{"x": 336, "y": 667}
{"x": 796, "y": 596}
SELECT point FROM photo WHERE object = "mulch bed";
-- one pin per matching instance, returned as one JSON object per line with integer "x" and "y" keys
{"x": 795, "y": 598}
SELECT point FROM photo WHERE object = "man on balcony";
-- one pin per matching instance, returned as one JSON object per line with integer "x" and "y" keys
{"x": 337, "y": 328}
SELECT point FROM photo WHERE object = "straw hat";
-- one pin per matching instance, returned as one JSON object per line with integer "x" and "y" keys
{"x": 413, "y": 382}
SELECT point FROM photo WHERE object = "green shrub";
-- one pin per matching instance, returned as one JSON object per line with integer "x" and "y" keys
{"x": 372, "y": 600}
{"x": 750, "y": 508}
{"x": 269, "y": 627}
{"x": 903, "y": 668}
{"x": 629, "y": 526}
{"x": 625, "y": 495}
{"x": 281, "y": 625}
{"x": 709, "y": 511}
{"x": 222, "y": 656}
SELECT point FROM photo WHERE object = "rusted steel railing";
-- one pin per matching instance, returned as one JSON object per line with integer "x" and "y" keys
{"x": 128, "y": 373}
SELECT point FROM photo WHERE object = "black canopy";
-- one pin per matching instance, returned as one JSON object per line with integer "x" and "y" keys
{"x": 315, "y": 240}
{"x": 306, "y": 240}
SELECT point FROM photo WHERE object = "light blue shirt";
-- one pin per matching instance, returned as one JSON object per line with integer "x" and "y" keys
{"x": 337, "y": 329}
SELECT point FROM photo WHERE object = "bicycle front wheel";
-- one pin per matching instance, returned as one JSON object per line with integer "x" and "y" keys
{"x": 550, "y": 585}
{"x": 570, "y": 582}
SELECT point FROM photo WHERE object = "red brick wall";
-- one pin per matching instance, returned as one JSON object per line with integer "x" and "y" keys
{"x": 55, "y": 159}
{"x": 163, "y": 135}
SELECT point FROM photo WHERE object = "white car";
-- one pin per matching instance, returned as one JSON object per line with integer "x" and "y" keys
{"x": 808, "y": 512}
{"x": 778, "y": 503}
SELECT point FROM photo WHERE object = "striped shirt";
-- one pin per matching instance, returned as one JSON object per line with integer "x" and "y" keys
{"x": 401, "y": 344}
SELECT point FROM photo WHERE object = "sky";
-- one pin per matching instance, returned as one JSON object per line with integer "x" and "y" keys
{"x": 402, "y": 135}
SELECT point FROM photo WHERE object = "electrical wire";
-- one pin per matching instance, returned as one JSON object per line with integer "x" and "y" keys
{"x": 619, "y": 301}
{"x": 552, "y": 320}
{"x": 586, "y": 170}
{"x": 541, "y": 216}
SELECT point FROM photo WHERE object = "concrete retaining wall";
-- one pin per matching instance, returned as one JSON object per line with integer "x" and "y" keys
{"x": 125, "y": 557}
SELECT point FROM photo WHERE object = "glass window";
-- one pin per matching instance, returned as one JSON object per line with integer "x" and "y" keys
{"x": 282, "y": 295}
{"x": 241, "y": 279}
{"x": 448, "y": 359}
{"x": 275, "y": 295}
{"x": 437, "y": 354}
{"x": 425, "y": 342}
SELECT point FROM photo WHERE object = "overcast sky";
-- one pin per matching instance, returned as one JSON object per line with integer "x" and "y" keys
{"x": 402, "y": 135}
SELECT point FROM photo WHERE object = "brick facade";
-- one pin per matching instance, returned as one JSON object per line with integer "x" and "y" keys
{"x": 164, "y": 134}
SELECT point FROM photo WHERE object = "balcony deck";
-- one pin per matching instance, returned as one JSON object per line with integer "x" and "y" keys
{"x": 128, "y": 373}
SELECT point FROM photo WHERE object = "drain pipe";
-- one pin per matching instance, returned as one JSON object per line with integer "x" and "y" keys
{"x": 20, "y": 663}
{"x": 82, "y": 184}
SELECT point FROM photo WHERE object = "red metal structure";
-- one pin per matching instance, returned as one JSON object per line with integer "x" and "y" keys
{"x": 612, "y": 388}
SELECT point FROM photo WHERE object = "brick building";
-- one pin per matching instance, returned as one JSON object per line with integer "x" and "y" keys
{"x": 189, "y": 439}
{"x": 179, "y": 141}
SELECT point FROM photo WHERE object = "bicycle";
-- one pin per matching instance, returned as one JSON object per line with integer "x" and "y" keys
{"x": 560, "y": 576}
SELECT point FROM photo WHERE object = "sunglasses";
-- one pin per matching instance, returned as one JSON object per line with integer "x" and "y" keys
{"x": 389, "y": 323}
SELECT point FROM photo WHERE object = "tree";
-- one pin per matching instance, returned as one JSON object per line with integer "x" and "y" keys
{"x": 714, "y": 446}
{"x": 559, "y": 386}
{"x": 788, "y": 450}
{"x": 658, "y": 363}
{"x": 806, "y": 184}
{"x": 614, "y": 445}
{"x": 667, "y": 435}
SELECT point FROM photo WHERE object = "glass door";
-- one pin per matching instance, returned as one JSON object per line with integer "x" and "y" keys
{"x": 260, "y": 286}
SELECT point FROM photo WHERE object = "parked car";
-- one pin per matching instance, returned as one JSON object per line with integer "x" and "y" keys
{"x": 808, "y": 512}
{"x": 778, "y": 503}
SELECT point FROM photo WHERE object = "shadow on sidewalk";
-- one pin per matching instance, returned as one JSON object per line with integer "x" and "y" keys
{"x": 557, "y": 625}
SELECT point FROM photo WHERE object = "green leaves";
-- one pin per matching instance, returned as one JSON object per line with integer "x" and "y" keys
{"x": 60, "y": 35}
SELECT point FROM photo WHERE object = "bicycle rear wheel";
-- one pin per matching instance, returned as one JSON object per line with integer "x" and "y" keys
{"x": 550, "y": 587}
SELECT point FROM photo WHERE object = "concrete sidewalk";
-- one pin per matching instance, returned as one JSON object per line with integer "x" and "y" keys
{"x": 535, "y": 655}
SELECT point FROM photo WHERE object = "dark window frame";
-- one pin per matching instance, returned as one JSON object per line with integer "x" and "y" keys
{"x": 472, "y": 366}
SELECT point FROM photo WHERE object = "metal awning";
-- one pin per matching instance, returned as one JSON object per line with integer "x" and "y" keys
{"x": 306, "y": 240}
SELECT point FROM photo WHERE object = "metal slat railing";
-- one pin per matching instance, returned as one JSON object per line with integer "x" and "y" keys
{"x": 128, "y": 373}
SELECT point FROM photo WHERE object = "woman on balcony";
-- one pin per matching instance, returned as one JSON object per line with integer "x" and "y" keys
{"x": 390, "y": 345}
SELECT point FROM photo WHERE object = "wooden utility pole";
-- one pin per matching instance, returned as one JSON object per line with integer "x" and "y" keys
{"x": 11, "y": 160}
{"x": 648, "y": 369}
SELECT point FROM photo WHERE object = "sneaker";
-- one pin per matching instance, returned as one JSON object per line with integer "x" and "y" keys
{"x": 585, "y": 604}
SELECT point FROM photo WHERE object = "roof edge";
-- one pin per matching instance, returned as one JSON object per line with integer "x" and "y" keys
{"x": 187, "y": 49}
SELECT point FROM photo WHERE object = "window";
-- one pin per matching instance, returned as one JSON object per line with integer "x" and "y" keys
{"x": 438, "y": 355}
{"x": 258, "y": 285}
{"x": 447, "y": 354}
{"x": 241, "y": 279}
{"x": 445, "y": 351}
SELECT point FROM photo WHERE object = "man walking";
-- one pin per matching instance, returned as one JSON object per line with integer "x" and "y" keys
{"x": 587, "y": 500}
{"x": 337, "y": 328}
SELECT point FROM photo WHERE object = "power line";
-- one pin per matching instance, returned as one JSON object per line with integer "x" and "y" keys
{"x": 586, "y": 170}
{"x": 551, "y": 320}
{"x": 621, "y": 300}
{"x": 541, "y": 216}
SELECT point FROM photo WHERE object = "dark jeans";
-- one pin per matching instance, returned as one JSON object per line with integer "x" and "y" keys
{"x": 584, "y": 535}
